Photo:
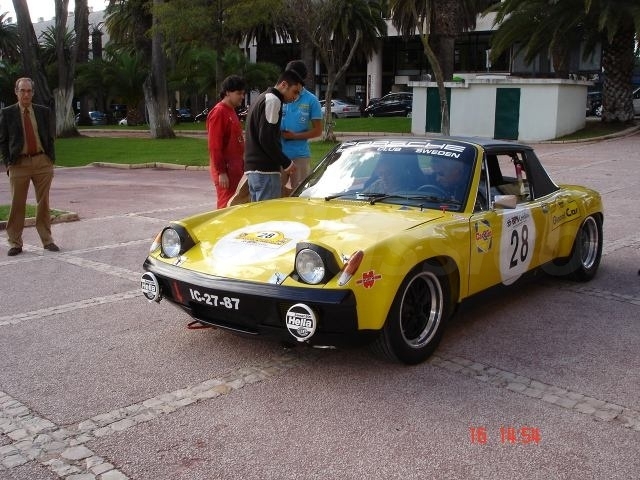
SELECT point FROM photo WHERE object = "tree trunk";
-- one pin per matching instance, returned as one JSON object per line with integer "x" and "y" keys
{"x": 155, "y": 87}
{"x": 617, "y": 64}
{"x": 63, "y": 95}
{"x": 306, "y": 54}
{"x": 332, "y": 77}
{"x": 444, "y": 50}
{"x": 32, "y": 65}
{"x": 442, "y": 91}
{"x": 81, "y": 28}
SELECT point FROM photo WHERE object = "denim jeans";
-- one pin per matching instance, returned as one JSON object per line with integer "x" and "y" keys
{"x": 264, "y": 186}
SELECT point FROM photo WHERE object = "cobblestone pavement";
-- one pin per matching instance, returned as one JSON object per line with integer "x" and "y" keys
{"x": 536, "y": 380}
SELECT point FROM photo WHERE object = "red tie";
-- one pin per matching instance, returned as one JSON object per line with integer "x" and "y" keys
{"x": 30, "y": 136}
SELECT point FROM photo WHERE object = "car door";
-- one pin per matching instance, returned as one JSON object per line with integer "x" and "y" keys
{"x": 506, "y": 241}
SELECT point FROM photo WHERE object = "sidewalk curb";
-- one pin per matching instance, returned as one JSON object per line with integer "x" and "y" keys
{"x": 621, "y": 133}
{"x": 132, "y": 166}
{"x": 341, "y": 136}
{"x": 31, "y": 221}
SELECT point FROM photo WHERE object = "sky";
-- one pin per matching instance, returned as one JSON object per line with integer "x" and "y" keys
{"x": 46, "y": 8}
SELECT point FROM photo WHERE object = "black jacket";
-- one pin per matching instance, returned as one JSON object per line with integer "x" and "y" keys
{"x": 12, "y": 135}
{"x": 263, "y": 147}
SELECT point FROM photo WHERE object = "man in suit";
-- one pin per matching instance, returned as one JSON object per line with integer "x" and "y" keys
{"x": 27, "y": 150}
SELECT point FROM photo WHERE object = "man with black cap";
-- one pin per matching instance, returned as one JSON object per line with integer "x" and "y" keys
{"x": 301, "y": 121}
{"x": 263, "y": 156}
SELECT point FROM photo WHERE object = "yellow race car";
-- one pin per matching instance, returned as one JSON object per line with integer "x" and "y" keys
{"x": 379, "y": 244}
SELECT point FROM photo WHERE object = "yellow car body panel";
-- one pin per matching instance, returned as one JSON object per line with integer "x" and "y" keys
{"x": 237, "y": 266}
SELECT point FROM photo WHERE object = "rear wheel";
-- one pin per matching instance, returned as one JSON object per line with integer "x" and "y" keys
{"x": 586, "y": 253}
{"x": 416, "y": 318}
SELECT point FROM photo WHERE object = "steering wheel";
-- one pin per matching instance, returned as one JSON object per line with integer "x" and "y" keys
{"x": 433, "y": 190}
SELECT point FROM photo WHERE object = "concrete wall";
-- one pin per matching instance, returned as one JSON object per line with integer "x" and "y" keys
{"x": 549, "y": 108}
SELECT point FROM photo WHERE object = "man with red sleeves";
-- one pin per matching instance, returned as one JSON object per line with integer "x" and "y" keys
{"x": 226, "y": 139}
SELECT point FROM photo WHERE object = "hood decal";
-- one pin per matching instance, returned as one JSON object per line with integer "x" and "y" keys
{"x": 259, "y": 242}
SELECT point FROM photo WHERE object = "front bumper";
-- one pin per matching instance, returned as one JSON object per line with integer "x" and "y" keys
{"x": 257, "y": 308}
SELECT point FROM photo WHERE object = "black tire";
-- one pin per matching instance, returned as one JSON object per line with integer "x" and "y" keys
{"x": 586, "y": 253}
{"x": 416, "y": 319}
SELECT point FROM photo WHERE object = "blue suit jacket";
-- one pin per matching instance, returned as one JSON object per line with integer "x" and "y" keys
{"x": 12, "y": 136}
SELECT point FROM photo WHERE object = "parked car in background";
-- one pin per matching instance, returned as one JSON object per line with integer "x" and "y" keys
{"x": 399, "y": 104}
{"x": 636, "y": 101}
{"x": 341, "y": 108}
{"x": 184, "y": 115}
{"x": 118, "y": 112}
{"x": 594, "y": 104}
{"x": 95, "y": 118}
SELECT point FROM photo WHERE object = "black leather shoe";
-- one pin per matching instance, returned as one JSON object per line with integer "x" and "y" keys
{"x": 14, "y": 251}
{"x": 52, "y": 247}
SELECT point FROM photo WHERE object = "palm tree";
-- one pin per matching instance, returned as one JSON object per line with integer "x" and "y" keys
{"x": 8, "y": 39}
{"x": 155, "y": 85}
{"x": 9, "y": 72}
{"x": 438, "y": 23}
{"x": 30, "y": 56}
{"x": 48, "y": 51}
{"x": 339, "y": 30}
{"x": 557, "y": 27}
{"x": 91, "y": 81}
{"x": 535, "y": 21}
{"x": 126, "y": 72}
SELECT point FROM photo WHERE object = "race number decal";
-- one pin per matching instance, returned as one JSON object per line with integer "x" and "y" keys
{"x": 517, "y": 244}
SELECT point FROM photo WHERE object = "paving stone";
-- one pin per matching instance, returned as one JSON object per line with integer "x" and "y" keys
{"x": 77, "y": 453}
{"x": 605, "y": 415}
{"x": 533, "y": 392}
{"x": 14, "y": 460}
{"x": 121, "y": 425}
{"x": 516, "y": 387}
{"x": 113, "y": 475}
{"x": 584, "y": 408}
{"x": 566, "y": 402}
{"x": 102, "y": 468}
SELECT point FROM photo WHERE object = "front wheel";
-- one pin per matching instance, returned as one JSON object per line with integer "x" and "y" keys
{"x": 416, "y": 318}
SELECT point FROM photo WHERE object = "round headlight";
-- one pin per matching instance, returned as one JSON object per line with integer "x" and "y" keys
{"x": 170, "y": 243}
{"x": 310, "y": 266}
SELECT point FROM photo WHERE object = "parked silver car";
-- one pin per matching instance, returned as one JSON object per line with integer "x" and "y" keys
{"x": 341, "y": 109}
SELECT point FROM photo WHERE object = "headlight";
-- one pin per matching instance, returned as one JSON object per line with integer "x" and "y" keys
{"x": 309, "y": 266}
{"x": 170, "y": 242}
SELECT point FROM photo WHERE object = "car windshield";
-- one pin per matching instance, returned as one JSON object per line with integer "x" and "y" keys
{"x": 426, "y": 173}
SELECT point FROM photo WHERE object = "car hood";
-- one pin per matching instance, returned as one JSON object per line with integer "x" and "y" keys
{"x": 255, "y": 240}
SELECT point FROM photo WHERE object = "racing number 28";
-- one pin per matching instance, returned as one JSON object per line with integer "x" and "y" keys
{"x": 520, "y": 244}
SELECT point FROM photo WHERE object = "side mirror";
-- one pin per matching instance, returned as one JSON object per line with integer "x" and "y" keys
{"x": 505, "y": 201}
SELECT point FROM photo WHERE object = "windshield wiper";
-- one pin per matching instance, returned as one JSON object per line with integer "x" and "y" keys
{"x": 428, "y": 198}
{"x": 358, "y": 195}
{"x": 338, "y": 195}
